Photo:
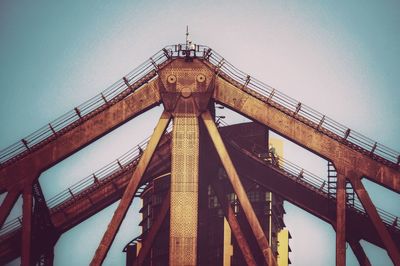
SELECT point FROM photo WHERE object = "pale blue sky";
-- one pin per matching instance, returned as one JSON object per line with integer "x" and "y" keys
{"x": 339, "y": 57}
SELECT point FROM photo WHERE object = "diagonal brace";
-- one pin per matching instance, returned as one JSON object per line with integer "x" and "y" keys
{"x": 130, "y": 191}
{"x": 359, "y": 252}
{"x": 382, "y": 231}
{"x": 151, "y": 235}
{"x": 234, "y": 224}
{"x": 238, "y": 188}
{"x": 7, "y": 205}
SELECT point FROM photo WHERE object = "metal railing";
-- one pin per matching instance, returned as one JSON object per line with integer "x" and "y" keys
{"x": 149, "y": 69}
{"x": 125, "y": 162}
{"x": 116, "y": 92}
{"x": 312, "y": 181}
{"x": 113, "y": 94}
{"x": 302, "y": 112}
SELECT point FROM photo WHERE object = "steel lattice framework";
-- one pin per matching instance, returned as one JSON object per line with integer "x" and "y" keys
{"x": 188, "y": 81}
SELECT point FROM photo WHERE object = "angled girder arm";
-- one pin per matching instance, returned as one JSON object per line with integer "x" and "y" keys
{"x": 238, "y": 188}
{"x": 304, "y": 135}
{"x": 130, "y": 191}
{"x": 309, "y": 199}
{"x": 359, "y": 253}
{"x": 29, "y": 168}
{"x": 234, "y": 224}
{"x": 90, "y": 201}
{"x": 7, "y": 205}
{"x": 369, "y": 207}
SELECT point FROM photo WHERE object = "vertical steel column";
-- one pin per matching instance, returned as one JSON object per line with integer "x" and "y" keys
{"x": 130, "y": 191}
{"x": 184, "y": 190}
{"x": 369, "y": 207}
{"x": 26, "y": 226}
{"x": 238, "y": 188}
{"x": 341, "y": 220}
{"x": 359, "y": 252}
{"x": 7, "y": 205}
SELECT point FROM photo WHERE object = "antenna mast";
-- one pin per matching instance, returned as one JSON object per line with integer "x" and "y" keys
{"x": 187, "y": 36}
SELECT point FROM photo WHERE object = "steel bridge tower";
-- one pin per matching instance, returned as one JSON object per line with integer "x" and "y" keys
{"x": 188, "y": 81}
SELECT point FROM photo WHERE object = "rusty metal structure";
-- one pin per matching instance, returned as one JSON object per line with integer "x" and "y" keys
{"x": 188, "y": 80}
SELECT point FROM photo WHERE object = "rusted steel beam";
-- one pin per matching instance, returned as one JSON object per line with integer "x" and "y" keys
{"x": 84, "y": 133}
{"x": 305, "y": 197}
{"x": 382, "y": 231}
{"x": 341, "y": 220}
{"x": 130, "y": 191}
{"x": 91, "y": 201}
{"x": 359, "y": 253}
{"x": 238, "y": 188}
{"x": 151, "y": 235}
{"x": 234, "y": 224}
{"x": 7, "y": 205}
{"x": 304, "y": 135}
{"x": 26, "y": 226}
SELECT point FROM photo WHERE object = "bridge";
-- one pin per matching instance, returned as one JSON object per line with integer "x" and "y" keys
{"x": 188, "y": 81}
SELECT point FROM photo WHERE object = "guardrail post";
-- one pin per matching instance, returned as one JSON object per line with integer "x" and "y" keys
{"x": 25, "y": 144}
{"x": 207, "y": 54}
{"x": 394, "y": 224}
{"x": 373, "y": 148}
{"x": 347, "y": 133}
{"x": 78, "y": 112}
{"x": 321, "y": 122}
{"x": 70, "y": 192}
{"x": 154, "y": 64}
{"x": 300, "y": 176}
{"x": 166, "y": 53}
{"x": 248, "y": 78}
{"x": 52, "y": 130}
{"x": 104, "y": 98}
{"x": 271, "y": 95}
{"x": 127, "y": 83}
{"x": 120, "y": 165}
{"x": 298, "y": 107}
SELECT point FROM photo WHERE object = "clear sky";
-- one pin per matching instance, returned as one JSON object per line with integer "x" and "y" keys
{"x": 340, "y": 57}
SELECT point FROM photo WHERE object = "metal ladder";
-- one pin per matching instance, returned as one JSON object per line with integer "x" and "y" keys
{"x": 332, "y": 185}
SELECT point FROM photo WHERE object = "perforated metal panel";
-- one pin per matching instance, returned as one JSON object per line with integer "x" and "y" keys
{"x": 184, "y": 191}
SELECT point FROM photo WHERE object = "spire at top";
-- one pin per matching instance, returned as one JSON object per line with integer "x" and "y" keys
{"x": 187, "y": 36}
{"x": 189, "y": 43}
